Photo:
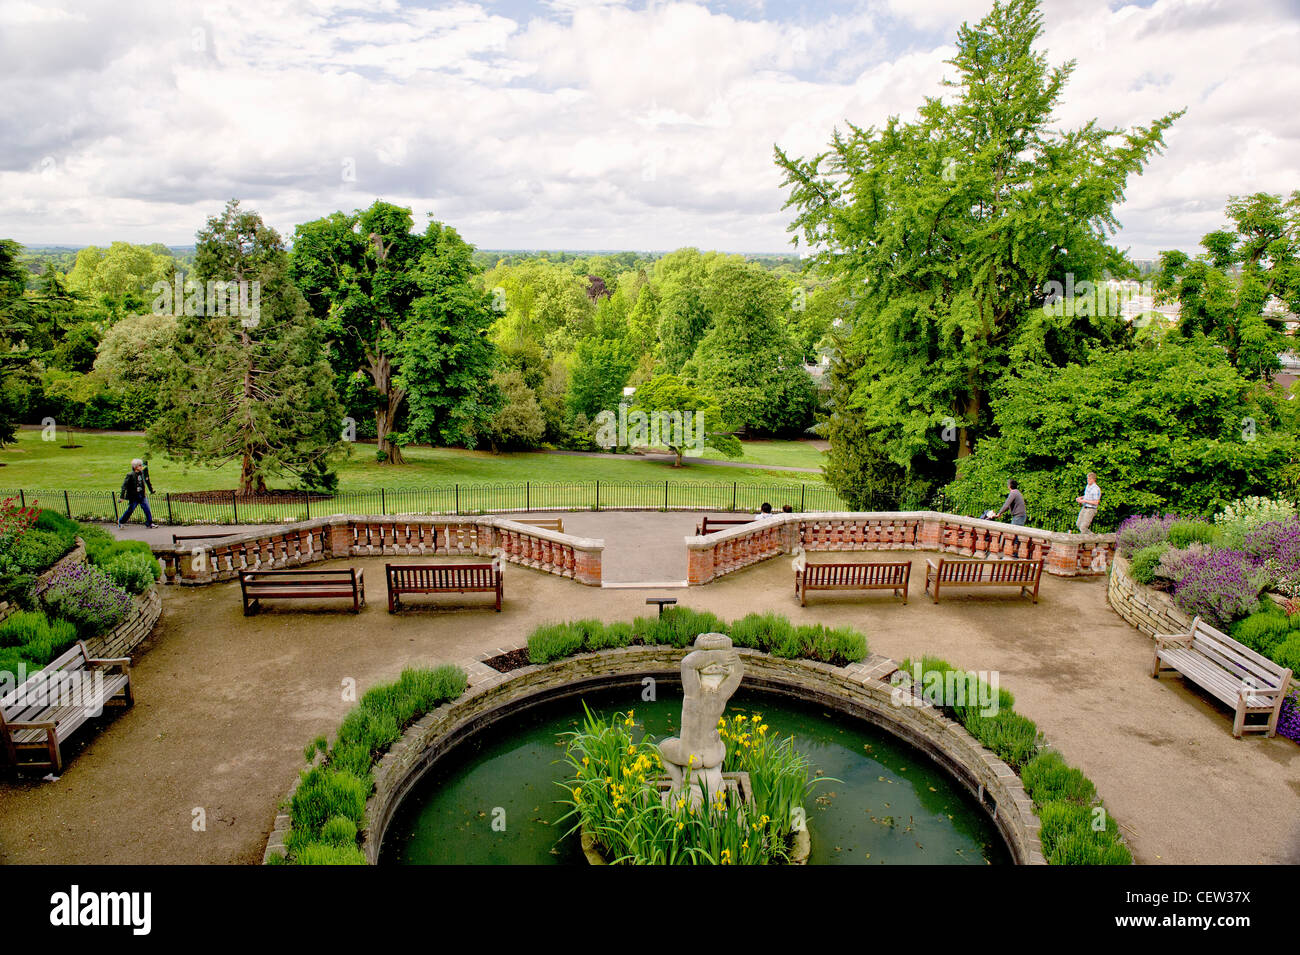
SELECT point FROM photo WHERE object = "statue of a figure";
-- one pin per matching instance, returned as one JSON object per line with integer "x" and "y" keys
{"x": 710, "y": 674}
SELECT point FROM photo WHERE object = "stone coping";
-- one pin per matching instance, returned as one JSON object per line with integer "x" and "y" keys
{"x": 860, "y": 690}
{"x": 697, "y": 542}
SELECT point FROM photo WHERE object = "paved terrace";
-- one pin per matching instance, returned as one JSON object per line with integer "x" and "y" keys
{"x": 225, "y": 704}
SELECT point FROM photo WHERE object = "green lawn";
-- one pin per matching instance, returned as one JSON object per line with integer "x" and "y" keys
{"x": 104, "y": 458}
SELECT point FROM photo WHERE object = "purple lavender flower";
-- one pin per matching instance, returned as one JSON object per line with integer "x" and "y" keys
{"x": 1220, "y": 585}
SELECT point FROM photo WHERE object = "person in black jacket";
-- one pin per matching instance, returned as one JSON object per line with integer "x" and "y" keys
{"x": 133, "y": 492}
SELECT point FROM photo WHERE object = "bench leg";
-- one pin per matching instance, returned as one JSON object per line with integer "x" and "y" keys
{"x": 498, "y": 598}
{"x": 1239, "y": 721}
{"x": 1155, "y": 665}
{"x": 56, "y": 757}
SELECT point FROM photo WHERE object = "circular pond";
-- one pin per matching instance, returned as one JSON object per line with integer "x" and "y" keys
{"x": 492, "y": 800}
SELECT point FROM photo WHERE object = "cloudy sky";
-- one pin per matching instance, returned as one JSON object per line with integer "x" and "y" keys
{"x": 578, "y": 124}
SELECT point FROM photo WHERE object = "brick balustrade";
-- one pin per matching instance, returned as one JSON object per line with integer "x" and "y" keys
{"x": 341, "y": 536}
{"x": 726, "y": 551}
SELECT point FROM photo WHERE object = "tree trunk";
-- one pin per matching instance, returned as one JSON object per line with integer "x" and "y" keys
{"x": 381, "y": 373}
{"x": 966, "y": 434}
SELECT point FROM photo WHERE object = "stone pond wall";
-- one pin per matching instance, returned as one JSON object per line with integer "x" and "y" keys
{"x": 861, "y": 690}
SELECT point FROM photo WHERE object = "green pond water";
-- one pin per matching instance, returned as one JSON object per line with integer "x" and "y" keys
{"x": 890, "y": 804}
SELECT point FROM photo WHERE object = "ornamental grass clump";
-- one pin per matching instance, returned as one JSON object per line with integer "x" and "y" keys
{"x": 86, "y": 596}
{"x": 1188, "y": 531}
{"x": 614, "y": 797}
{"x": 1220, "y": 586}
{"x": 329, "y": 805}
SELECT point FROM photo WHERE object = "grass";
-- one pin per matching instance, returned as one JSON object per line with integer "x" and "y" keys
{"x": 104, "y": 458}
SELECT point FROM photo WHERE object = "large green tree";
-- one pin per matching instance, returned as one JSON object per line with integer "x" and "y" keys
{"x": 402, "y": 309}
{"x": 950, "y": 229}
{"x": 1168, "y": 427}
{"x": 1226, "y": 292}
{"x": 252, "y": 387}
{"x": 670, "y": 400}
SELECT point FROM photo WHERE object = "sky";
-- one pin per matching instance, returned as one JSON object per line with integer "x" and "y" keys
{"x": 580, "y": 124}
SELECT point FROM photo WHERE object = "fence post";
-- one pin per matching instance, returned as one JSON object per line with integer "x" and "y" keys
{"x": 803, "y": 489}
{"x": 67, "y": 504}
{"x": 528, "y": 496}
{"x": 112, "y": 498}
{"x": 22, "y": 498}
{"x": 665, "y": 494}
{"x": 458, "y": 498}
{"x": 306, "y": 500}
{"x": 383, "y": 503}
{"x": 234, "y": 508}
{"x": 734, "y": 485}
{"x": 597, "y": 495}
{"x": 170, "y": 519}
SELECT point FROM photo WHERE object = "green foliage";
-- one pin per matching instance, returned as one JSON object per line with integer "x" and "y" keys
{"x": 669, "y": 395}
{"x": 1069, "y": 837}
{"x": 34, "y": 638}
{"x": 1161, "y": 427}
{"x": 252, "y": 388}
{"x": 600, "y": 370}
{"x": 328, "y": 807}
{"x": 133, "y": 572}
{"x": 37, "y": 550}
{"x": 519, "y": 424}
{"x": 1266, "y": 630}
{"x": 1048, "y": 778}
{"x": 1146, "y": 561}
{"x": 553, "y": 642}
{"x": 951, "y": 229}
{"x": 1222, "y": 293}
{"x": 1240, "y": 517}
{"x": 1184, "y": 533}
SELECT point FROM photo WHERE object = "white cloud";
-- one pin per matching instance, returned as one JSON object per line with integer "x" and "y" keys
{"x": 575, "y": 124}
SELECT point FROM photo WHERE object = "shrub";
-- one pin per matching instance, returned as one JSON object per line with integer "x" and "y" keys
{"x": 103, "y": 550}
{"x": 1138, "y": 531}
{"x": 1288, "y": 720}
{"x": 1174, "y": 562}
{"x": 54, "y": 521}
{"x": 1145, "y": 562}
{"x": 37, "y": 550}
{"x": 133, "y": 572}
{"x": 86, "y": 596}
{"x": 1287, "y": 653}
{"x": 1048, "y": 778}
{"x": 1276, "y": 545}
{"x": 679, "y": 626}
{"x": 1264, "y": 630}
{"x": 553, "y": 641}
{"x": 36, "y": 639}
{"x": 339, "y": 831}
{"x": 1185, "y": 532}
{"x": 1069, "y": 839}
{"x": 1012, "y": 736}
{"x": 838, "y": 646}
{"x": 611, "y": 635}
{"x": 1236, "y": 521}
{"x": 1220, "y": 586}
{"x": 323, "y": 853}
{"x": 324, "y": 793}
{"x": 16, "y": 665}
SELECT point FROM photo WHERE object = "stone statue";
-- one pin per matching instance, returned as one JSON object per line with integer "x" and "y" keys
{"x": 710, "y": 674}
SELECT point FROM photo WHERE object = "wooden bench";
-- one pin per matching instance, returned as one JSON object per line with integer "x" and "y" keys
{"x": 1023, "y": 574}
{"x": 711, "y": 525}
{"x": 442, "y": 579}
{"x": 258, "y": 585}
{"x": 1246, "y": 681}
{"x": 863, "y": 576}
{"x": 37, "y": 717}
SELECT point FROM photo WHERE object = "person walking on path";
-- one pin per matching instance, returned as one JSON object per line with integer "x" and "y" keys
{"x": 1088, "y": 509}
{"x": 1015, "y": 503}
{"x": 133, "y": 492}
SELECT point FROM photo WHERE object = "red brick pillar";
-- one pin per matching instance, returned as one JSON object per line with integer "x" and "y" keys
{"x": 586, "y": 566}
{"x": 338, "y": 538}
{"x": 699, "y": 565}
{"x": 1063, "y": 558}
{"x": 930, "y": 535}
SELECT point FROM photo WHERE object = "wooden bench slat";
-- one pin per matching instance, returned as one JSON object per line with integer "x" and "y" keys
{"x": 256, "y": 585}
{"x": 994, "y": 572}
{"x": 852, "y": 576}
{"x": 441, "y": 578}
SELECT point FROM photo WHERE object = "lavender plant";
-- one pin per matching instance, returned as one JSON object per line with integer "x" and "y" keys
{"x": 87, "y": 597}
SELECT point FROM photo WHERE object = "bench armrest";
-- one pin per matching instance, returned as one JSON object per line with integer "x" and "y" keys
{"x": 48, "y": 725}
{"x": 931, "y": 565}
{"x": 109, "y": 661}
{"x": 1172, "y": 639}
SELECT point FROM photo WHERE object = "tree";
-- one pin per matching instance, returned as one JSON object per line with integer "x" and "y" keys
{"x": 681, "y": 418}
{"x": 518, "y": 423}
{"x": 15, "y": 360}
{"x": 365, "y": 276}
{"x": 249, "y": 388}
{"x": 1226, "y": 291}
{"x": 121, "y": 278}
{"x": 952, "y": 230}
{"x": 1168, "y": 428}
{"x": 444, "y": 356}
{"x": 746, "y": 363}
{"x": 600, "y": 371}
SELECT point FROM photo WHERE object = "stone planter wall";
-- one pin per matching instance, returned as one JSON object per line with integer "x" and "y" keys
{"x": 122, "y": 640}
{"x": 861, "y": 690}
{"x": 1151, "y": 611}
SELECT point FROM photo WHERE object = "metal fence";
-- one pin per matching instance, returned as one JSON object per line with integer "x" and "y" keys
{"x": 226, "y": 507}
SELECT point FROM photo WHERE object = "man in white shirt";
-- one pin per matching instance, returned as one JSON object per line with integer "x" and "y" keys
{"x": 1088, "y": 510}
{"x": 764, "y": 512}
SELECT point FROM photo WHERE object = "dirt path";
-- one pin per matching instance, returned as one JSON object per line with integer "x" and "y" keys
{"x": 225, "y": 706}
